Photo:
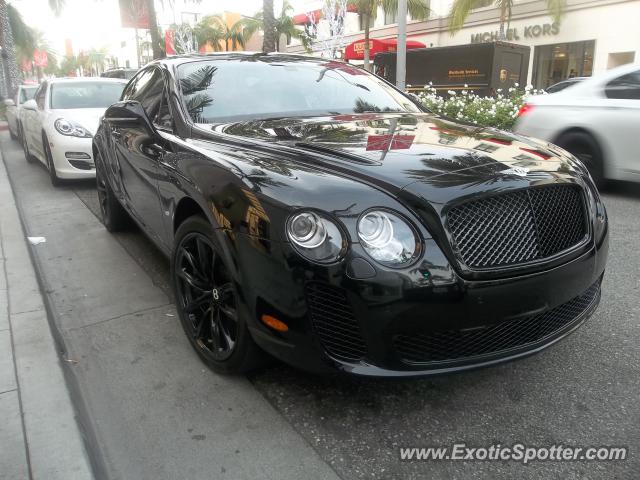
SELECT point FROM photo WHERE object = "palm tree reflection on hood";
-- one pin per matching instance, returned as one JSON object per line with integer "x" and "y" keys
{"x": 465, "y": 169}
{"x": 193, "y": 87}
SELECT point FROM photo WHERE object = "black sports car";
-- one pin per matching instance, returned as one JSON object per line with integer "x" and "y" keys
{"x": 313, "y": 211}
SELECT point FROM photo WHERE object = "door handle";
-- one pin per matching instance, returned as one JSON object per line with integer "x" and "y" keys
{"x": 153, "y": 150}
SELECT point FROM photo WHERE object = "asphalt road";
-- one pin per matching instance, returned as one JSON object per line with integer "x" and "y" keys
{"x": 583, "y": 391}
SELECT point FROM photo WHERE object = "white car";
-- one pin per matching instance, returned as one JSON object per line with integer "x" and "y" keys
{"x": 23, "y": 94}
{"x": 59, "y": 123}
{"x": 597, "y": 120}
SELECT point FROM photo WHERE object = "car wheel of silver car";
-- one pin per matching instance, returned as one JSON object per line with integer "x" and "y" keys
{"x": 53, "y": 175}
{"x": 208, "y": 302}
{"x": 586, "y": 149}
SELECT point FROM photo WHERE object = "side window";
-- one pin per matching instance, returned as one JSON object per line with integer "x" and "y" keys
{"x": 624, "y": 87}
{"x": 129, "y": 89}
{"x": 164, "y": 120}
{"x": 148, "y": 91}
{"x": 40, "y": 95}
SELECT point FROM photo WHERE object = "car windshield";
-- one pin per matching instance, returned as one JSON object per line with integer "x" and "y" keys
{"x": 85, "y": 94}
{"x": 258, "y": 87}
{"x": 27, "y": 93}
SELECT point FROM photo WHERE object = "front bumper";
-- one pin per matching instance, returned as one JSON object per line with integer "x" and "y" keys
{"x": 417, "y": 322}
{"x": 72, "y": 157}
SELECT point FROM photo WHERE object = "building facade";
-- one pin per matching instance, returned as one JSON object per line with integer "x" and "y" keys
{"x": 592, "y": 36}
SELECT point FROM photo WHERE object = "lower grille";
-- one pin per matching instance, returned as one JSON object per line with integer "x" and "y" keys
{"x": 493, "y": 339}
{"x": 518, "y": 226}
{"x": 334, "y": 322}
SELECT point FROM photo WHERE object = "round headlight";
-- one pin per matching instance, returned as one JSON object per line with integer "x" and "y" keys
{"x": 389, "y": 239}
{"x": 315, "y": 237}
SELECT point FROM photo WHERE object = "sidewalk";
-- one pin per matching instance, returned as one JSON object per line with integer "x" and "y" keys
{"x": 39, "y": 434}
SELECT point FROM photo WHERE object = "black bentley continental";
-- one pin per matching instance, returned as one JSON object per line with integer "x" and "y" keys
{"x": 313, "y": 212}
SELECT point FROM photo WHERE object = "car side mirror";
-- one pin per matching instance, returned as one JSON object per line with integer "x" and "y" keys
{"x": 9, "y": 103}
{"x": 30, "y": 105}
{"x": 128, "y": 113}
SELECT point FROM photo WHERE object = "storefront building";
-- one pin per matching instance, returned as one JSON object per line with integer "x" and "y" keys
{"x": 592, "y": 36}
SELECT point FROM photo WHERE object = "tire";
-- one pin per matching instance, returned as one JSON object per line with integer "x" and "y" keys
{"x": 25, "y": 148}
{"x": 207, "y": 301}
{"x": 584, "y": 147}
{"x": 53, "y": 175}
{"x": 114, "y": 217}
{"x": 13, "y": 135}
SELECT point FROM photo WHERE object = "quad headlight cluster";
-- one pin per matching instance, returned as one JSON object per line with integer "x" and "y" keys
{"x": 389, "y": 239}
{"x": 316, "y": 237}
{"x": 386, "y": 237}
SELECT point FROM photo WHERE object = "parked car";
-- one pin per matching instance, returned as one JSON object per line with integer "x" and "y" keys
{"x": 24, "y": 93}
{"x": 597, "y": 120}
{"x": 569, "y": 82}
{"x": 313, "y": 211}
{"x": 57, "y": 125}
{"x": 126, "y": 73}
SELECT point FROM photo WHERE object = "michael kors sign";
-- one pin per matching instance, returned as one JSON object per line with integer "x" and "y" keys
{"x": 515, "y": 34}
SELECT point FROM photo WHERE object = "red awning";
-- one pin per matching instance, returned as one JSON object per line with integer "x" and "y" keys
{"x": 316, "y": 15}
{"x": 355, "y": 50}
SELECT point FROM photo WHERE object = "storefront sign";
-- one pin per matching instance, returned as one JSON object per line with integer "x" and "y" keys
{"x": 515, "y": 34}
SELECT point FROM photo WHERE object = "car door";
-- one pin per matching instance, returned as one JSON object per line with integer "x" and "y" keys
{"x": 138, "y": 156}
{"x": 622, "y": 121}
{"x": 35, "y": 119}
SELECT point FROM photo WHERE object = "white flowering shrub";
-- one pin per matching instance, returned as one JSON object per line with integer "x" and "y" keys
{"x": 499, "y": 111}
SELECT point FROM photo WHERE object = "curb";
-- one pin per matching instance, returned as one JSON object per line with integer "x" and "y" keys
{"x": 53, "y": 441}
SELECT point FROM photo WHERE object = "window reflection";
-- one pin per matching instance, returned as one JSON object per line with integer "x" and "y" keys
{"x": 259, "y": 86}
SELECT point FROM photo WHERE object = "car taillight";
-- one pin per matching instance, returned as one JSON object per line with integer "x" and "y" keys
{"x": 524, "y": 109}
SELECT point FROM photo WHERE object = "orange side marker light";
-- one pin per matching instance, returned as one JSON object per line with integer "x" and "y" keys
{"x": 274, "y": 323}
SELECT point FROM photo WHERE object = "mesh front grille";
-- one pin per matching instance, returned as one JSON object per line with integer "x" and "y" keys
{"x": 493, "y": 339}
{"x": 518, "y": 227}
{"x": 334, "y": 321}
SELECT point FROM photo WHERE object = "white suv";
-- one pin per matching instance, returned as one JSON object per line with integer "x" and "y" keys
{"x": 597, "y": 120}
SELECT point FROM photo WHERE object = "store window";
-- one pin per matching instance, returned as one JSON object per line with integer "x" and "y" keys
{"x": 390, "y": 17}
{"x": 483, "y": 3}
{"x": 362, "y": 22}
{"x": 555, "y": 63}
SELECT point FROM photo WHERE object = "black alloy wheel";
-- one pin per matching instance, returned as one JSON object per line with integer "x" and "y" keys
{"x": 53, "y": 175}
{"x": 207, "y": 301}
{"x": 114, "y": 216}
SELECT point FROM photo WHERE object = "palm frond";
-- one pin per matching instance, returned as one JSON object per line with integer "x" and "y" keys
{"x": 198, "y": 80}
{"x": 460, "y": 10}
{"x": 556, "y": 8}
{"x": 57, "y": 6}
{"x": 23, "y": 35}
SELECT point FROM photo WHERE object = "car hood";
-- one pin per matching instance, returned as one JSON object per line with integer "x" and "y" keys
{"x": 88, "y": 118}
{"x": 408, "y": 156}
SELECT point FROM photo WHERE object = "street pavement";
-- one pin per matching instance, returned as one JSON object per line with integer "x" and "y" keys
{"x": 153, "y": 411}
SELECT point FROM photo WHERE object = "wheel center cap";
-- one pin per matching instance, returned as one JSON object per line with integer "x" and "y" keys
{"x": 215, "y": 294}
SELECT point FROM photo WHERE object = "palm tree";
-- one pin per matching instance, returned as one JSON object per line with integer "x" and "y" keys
{"x": 269, "y": 27}
{"x": 10, "y": 71}
{"x": 368, "y": 11}
{"x": 283, "y": 26}
{"x": 213, "y": 30}
{"x": 461, "y": 9}
{"x": 210, "y": 31}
